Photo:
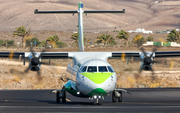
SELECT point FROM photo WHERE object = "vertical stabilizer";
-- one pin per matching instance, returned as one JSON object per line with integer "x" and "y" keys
{"x": 80, "y": 28}
{"x": 80, "y": 12}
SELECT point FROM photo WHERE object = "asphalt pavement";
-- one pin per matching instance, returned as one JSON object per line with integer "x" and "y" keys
{"x": 140, "y": 100}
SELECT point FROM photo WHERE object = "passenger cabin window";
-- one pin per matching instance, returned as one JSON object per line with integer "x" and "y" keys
{"x": 92, "y": 69}
{"x": 110, "y": 69}
{"x": 84, "y": 69}
{"x": 103, "y": 69}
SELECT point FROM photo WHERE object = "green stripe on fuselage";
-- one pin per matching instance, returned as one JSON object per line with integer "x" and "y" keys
{"x": 97, "y": 78}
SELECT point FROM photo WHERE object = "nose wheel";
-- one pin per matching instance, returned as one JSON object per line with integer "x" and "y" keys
{"x": 61, "y": 95}
{"x": 97, "y": 100}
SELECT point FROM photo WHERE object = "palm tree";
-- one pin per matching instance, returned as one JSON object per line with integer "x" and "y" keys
{"x": 139, "y": 40}
{"x": 21, "y": 31}
{"x": 123, "y": 35}
{"x": 53, "y": 40}
{"x": 75, "y": 38}
{"x": 150, "y": 38}
{"x": 173, "y": 36}
{"x": 106, "y": 39}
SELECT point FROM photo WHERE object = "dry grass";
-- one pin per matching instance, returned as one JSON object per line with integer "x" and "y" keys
{"x": 13, "y": 77}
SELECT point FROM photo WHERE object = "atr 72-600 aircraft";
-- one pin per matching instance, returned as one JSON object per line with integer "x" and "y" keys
{"x": 95, "y": 77}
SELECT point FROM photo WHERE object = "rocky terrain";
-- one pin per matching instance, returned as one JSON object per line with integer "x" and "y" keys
{"x": 146, "y": 14}
{"x": 167, "y": 74}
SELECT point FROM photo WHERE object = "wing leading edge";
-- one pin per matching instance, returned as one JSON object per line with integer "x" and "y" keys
{"x": 68, "y": 55}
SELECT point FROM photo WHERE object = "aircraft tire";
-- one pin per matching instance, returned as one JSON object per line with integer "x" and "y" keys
{"x": 57, "y": 97}
{"x": 64, "y": 97}
{"x": 113, "y": 97}
{"x": 99, "y": 101}
{"x": 95, "y": 101}
{"x": 120, "y": 98}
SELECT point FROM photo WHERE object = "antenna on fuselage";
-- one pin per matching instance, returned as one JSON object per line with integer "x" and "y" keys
{"x": 80, "y": 12}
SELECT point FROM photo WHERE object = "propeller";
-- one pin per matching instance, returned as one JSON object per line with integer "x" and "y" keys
{"x": 35, "y": 61}
{"x": 148, "y": 61}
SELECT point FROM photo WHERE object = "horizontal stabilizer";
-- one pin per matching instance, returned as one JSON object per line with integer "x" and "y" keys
{"x": 44, "y": 12}
{"x": 103, "y": 11}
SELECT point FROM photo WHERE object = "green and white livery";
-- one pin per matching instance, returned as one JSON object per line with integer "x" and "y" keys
{"x": 95, "y": 77}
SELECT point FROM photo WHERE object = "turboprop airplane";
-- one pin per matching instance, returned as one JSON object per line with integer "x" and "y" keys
{"x": 95, "y": 77}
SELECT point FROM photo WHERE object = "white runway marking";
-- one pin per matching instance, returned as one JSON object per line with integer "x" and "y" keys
{"x": 89, "y": 107}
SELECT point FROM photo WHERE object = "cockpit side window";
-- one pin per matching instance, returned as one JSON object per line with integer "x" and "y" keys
{"x": 84, "y": 69}
{"x": 102, "y": 69}
{"x": 110, "y": 69}
{"x": 92, "y": 69}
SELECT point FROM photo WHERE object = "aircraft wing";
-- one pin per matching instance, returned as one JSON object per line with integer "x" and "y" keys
{"x": 45, "y": 55}
{"x": 13, "y": 55}
{"x": 166, "y": 54}
{"x": 125, "y": 54}
{"x": 158, "y": 54}
{"x": 67, "y": 55}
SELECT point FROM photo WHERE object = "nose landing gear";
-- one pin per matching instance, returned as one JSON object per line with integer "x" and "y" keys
{"x": 97, "y": 99}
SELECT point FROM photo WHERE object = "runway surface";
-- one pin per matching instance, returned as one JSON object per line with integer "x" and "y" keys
{"x": 140, "y": 100}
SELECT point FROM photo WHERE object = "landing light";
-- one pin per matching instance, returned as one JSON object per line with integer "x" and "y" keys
{"x": 95, "y": 96}
{"x": 78, "y": 93}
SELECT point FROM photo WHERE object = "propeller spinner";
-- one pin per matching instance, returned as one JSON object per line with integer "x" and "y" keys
{"x": 35, "y": 62}
{"x": 148, "y": 60}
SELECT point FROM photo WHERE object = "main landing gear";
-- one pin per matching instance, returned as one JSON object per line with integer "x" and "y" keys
{"x": 97, "y": 99}
{"x": 61, "y": 95}
{"x": 116, "y": 95}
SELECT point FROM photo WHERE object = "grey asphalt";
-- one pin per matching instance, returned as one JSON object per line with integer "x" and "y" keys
{"x": 140, "y": 100}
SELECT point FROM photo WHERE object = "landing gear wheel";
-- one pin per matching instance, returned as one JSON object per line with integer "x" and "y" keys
{"x": 99, "y": 101}
{"x": 95, "y": 101}
{"x": 57, "y": 97}
{"x": 64, "y": 97}
{"x": 120, "y": 98}
{"x": 113, "y": 97}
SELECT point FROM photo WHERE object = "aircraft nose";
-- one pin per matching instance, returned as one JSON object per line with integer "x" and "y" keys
{"x": 97, "y": 78}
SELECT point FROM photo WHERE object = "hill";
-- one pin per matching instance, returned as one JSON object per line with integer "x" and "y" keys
{"x": 139, "y": 14}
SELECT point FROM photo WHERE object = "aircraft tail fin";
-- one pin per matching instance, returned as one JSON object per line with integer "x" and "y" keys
{"x": 80, "y": 12}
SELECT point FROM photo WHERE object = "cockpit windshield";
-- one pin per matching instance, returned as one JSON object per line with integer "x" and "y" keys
{"x": 84, "y": 69}
{"x": 110, "y": 69}
{"x": 102, "y": 69}
{"x": 92, "y": 69}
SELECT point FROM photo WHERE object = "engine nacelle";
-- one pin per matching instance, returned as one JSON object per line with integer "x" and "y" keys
{"x": 34, "y": 62}
{"x": 146, "y": 62}
{"x": 34, "y": 67}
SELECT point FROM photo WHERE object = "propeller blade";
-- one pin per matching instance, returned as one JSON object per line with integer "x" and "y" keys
{"x": 43, "y": 63}
{"x": 154, "y": 50}
{"x": 141, "y": 69}
{"x": 41, "y": 53}
{"x": 142, "y": 49}
{"x": 39, "y": 74}
{"x": 157, "y": 62}
{"x": 32, "y": 52}
{"x": 26, "y": 70}
{"x": 151, "y": 69}
{"x": 123, "y": 56}
{"x": 136, "y": 60}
